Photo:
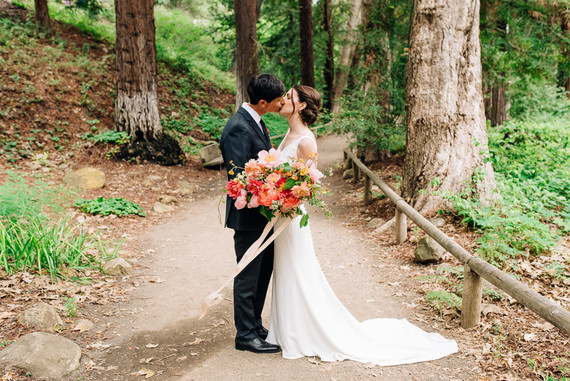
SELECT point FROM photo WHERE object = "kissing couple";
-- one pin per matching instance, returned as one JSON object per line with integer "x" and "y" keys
{"x": 307, "y": 319}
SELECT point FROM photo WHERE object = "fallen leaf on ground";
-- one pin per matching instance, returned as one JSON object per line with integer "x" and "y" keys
{"x": 150, "y": 346}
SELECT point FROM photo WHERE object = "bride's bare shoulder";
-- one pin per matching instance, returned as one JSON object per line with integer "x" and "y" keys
{"x": 307, "y": 147}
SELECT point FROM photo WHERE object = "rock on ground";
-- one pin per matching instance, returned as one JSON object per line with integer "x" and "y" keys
{"x": 117, "y": 267}
{"x": 428, "y": 250}
{"x": 42, "y": 316}
{"x": 43, "y": 355}
{"x": 86, "y": 178}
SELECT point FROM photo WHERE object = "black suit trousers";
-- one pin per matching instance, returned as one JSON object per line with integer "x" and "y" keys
{"x": 250, "y": 286}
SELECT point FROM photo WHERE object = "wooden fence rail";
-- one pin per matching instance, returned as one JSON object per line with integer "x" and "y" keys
{"x": 475, "y": 268}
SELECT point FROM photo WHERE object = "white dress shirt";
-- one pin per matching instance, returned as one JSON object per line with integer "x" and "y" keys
{"x": 253, "y": 114}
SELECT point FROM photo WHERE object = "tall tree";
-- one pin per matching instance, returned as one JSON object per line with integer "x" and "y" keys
{"x": 565, "y": 24}
{"x": 42, "y": 14}
{"x": 246, "y": 47}
{"x": 306, "y": 31}
{"x": 446, "y": 132}
{"x": 328, "y": 72}
{"x": 346, "y": 52}
{"x": 136, "y": 105}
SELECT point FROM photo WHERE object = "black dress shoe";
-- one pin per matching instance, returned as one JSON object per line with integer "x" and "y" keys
{"x": 262, "y": 332}
{"x": 257, "y": 345}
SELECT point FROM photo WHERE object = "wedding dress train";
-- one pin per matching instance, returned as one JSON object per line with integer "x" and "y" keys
{"x": 307, "y": 319}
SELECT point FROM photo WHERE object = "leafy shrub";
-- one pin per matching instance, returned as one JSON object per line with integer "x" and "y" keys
{"x": 106, "y": 206}
{"x": 108, "y": 136}
{"x": 371, "y": 129}
{"x": 443, "y": 298}
{"x": 532, "y": 170}
{"x": 211, "y": 122}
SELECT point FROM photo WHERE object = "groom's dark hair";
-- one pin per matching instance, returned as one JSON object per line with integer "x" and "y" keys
{"x": 265, "y": 86}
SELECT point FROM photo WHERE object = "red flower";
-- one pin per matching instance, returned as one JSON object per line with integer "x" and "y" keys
{"x": 234, "y": 188}
{"x": 254, "y": 186}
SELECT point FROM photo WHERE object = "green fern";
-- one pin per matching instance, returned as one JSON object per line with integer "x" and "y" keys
{"x": 441, "y": 298}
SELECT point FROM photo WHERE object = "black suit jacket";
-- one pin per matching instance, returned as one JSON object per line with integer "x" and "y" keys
{"x": 241, "y": 140}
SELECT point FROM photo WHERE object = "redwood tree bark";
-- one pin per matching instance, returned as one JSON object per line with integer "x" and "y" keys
{"x": 42, "y": 14}
{"x": 246, "y": 47}
{"x": 136, "y": 106}
{"x": 446, "y": 132}
{"x": 306, "y": 31}
{"x": 498, "y": 105}
{"x": 566, "y": 31}
{"x": 328, "y": 72}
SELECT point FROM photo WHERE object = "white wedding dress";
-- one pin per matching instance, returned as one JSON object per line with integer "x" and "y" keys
{"x": 307, "y": 319}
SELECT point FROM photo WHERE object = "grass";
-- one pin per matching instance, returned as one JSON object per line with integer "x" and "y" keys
{"x": 37, "y": 235}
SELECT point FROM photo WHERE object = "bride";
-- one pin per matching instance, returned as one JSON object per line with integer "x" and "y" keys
{"x": 307, "y": 319}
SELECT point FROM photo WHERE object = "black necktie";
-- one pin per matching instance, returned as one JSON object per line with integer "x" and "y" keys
{"x": 264, "y": 127}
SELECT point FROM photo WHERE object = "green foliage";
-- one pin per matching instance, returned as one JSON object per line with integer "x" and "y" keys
{"x": 35, "y": 235}
{"x": 24, "y": 201}
{"x": 211, "y": 121}
{"x": 108, "y": 136}
{"x": 522, "y": 46}
{"x": 532, "y": 170}
{"x": 189, "y": 47}
{"x": 443, "y": 298}
{"x": 105, "y": 206}
{"x": 371, "y": 129}
{"x": 71, "y": 307}
{"x": 373, "y": 102}
{"x": 180, "y": 42}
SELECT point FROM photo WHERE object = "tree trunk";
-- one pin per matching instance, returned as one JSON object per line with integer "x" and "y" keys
{"x": 258, "y": 9}
{"x": 306, "y": 31}
{"x": 498, "y": 105}
{"x": 328, "y": 73}
{"x": 446, "y": 132}
{"x": 246, "y": 47}
{"x": 136, "y": 105}
{"x": 343, "y": 64}
{"x": 42, "y": 14}
{"x": 566, "y": 32}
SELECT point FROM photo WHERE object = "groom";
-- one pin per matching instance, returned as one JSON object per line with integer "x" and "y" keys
{"x": 243, "y": 137}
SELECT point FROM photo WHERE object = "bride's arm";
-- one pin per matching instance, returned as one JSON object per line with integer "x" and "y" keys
{"x": 307, "y": 150}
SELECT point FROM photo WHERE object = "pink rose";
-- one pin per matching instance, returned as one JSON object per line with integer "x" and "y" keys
{"x": 241, "y": 200}
{"x": 315, "y": 174}
{"x": 253, "y": 203}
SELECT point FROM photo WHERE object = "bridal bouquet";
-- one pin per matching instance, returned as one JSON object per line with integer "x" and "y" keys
{"x": 276, "y": 186}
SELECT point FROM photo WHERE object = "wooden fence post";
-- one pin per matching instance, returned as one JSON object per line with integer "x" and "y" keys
{"x": 356, "y": 171}
{"x": 471, "y": 304}
{"x": 367, "y": 190}
{"x": 401, "y": 226}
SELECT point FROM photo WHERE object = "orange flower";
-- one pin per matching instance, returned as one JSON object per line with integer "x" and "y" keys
{"x": 301, "y": 191}
{"x": 267, "y": 195}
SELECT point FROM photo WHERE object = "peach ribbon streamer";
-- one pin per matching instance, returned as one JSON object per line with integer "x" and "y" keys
{"x": 254, "y": 250}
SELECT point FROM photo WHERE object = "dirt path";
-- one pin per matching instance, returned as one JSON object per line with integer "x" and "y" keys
{"x": 192, "y": 254}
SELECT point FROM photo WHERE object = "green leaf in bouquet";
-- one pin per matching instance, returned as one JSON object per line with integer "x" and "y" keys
{"x": 287, "y": 167}
{"x": 267, "y": 213}
{"x": 304, "y": 220}
{"x": 290, "y": 183}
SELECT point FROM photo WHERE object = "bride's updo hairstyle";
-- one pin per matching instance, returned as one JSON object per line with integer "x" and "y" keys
{"x": 313, "y": 100}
